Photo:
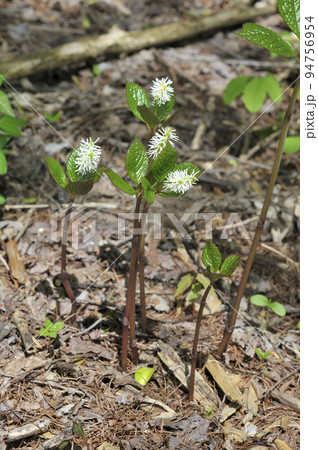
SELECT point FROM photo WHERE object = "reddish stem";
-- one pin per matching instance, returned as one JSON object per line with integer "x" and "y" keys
{"x": 196, "y": 340}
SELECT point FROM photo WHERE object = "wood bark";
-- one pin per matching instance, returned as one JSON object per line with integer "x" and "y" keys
{"x": 117, "y": 41}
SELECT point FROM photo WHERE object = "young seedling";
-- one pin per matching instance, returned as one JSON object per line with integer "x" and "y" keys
{"x": 290, "y": 12}
{"x": 81, "y": 168}
{"x": 52, "y": 330}
{"x": 261, "y": 357}
{"x": 215, "y": 269}
{"x": 276, "y": 307}
{"x": 154, "y": 171}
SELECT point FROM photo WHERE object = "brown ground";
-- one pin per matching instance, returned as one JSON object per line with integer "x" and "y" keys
{"x": 79, "y": 380}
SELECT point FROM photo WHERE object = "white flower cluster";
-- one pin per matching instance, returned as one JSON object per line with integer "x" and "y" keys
{"x": 160, "y": 139}
{"x": 180, "y": 181}
{"x": 162, "y": 90}
{"x": 88, "y": 156}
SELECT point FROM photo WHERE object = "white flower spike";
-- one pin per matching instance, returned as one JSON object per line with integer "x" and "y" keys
{"x": 162, "y": 90}
{"x": 180, "y": 181}
{"x": 159, "y": 140}
{"x": 88, "y": 156}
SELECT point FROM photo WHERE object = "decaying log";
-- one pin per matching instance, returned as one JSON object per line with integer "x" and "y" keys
{"x": 117, "y": 41}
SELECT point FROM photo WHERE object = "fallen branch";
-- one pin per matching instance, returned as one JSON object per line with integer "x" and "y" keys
{"x": 118, "y": 41}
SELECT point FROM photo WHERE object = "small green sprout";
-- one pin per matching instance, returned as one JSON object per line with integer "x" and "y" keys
{"x": 52, "y": 118}
{"x": 276, "y": 307}
{"x": 209, "y": 413}
{"x": 51, "y": 329}
{"x": 261, "y": 357}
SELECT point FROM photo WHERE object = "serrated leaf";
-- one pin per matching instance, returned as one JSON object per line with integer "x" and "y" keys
{"x": 56, "y": 171}
{"x": 254, "y": 94}
{"x": 235, "y": 88}
{"x": 143, "y": 375}
{"x": 229, "y": 265}
{"x": 267, "y": 38}
{"x": 164, "y": 163}
{"x": 3, "y": 164}
{"x": 79, "y": 187}
{"x": 136, "y": 95}
{"x": 71, "y": 165}
{"x": 164, "y": 109}
{"x": 136, "y": 161}
{"x": 259, "y": 300}
{"x": 119, "y": 182}
{"x": 5, "y": 106}
{"x": 278, "y": 309}
{"x": 290, "y": 12}
{"x": 11, "y": 125}
{"x": 149, "y": 117}
{"x": 272, "y": 87}
{"x": 149, "y": 193}
{"x": 211, "y": 257}
{"x": 184, "y": 284}
{"x": 292, "y": 144}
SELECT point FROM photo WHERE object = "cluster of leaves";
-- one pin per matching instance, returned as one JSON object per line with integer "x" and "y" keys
{"x": 51, "y": 329}
{"x": 211, "y": 258}
{"x": 253, "y": 91}
{"x": 147, "y": 174}
{"x": 9, "y": 127}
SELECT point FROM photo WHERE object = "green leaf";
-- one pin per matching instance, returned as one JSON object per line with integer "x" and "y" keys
{"x": 235, "y": 88}
{"x": 149, "y": 117}
{"x": 259, "y": 353}
{"x": 48, "y": 323}
{"x": 56, "y": 171}
{"x": 164, "y": 163}
{"x": 184, "y": 284}
{"x": 266, "y": 38}
{"x": 164, "y": 109}
{"x": 4, "y": 138}
{"x": 77, "y": 428}
{"x": 190, "y": 167}
{"x": 292, "y": 144}
{"x": 44, "y": 332}
{"x": 229, "y": 265}
{"x": 95, "y": 176}
{"x": 63, "y": 445}
{"x": 2, "y": 200}
{"x": 168, "y": 121}
{"x": 259, "y": 300}
{"x": 57, "y": 326}
{"x": 143, "y": 375}
{"x": 254, "y": 94}
{"x": 272, "y": 87}
{"x": 136, "y": 161}
{"x": 278, "y": 309}
{"x": 211, "y": 257}
{"x": 79, "y": 187}
{"x": 3, "y": 164}
{"x": 5, "y": 106}
{"x": 2, "y": 77}
{"x": 10, "y": 125}
{"x": 195, "y": 289}
{"x": 290, "y": 12}
{"x": 71, "y": 165}
{"x": 136, "y": 95}
{"x": 30, "y": 200}
{"x": 149, "y": 193}
{"x": 266, "y": 355}
{"x": 120, "y": 183}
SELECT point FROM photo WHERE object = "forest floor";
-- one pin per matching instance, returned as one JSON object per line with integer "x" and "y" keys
{"x": 78, "y": 384}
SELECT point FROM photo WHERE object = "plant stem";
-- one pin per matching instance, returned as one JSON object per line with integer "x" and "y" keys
{"x": 195, "y": 341}
{"x": 141, "y": 259}
{"x": 231, "y": 324}
{"x": 129, "y": 314}
{"x": 64, "y": 276}
{"x": 266, "y": 318}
